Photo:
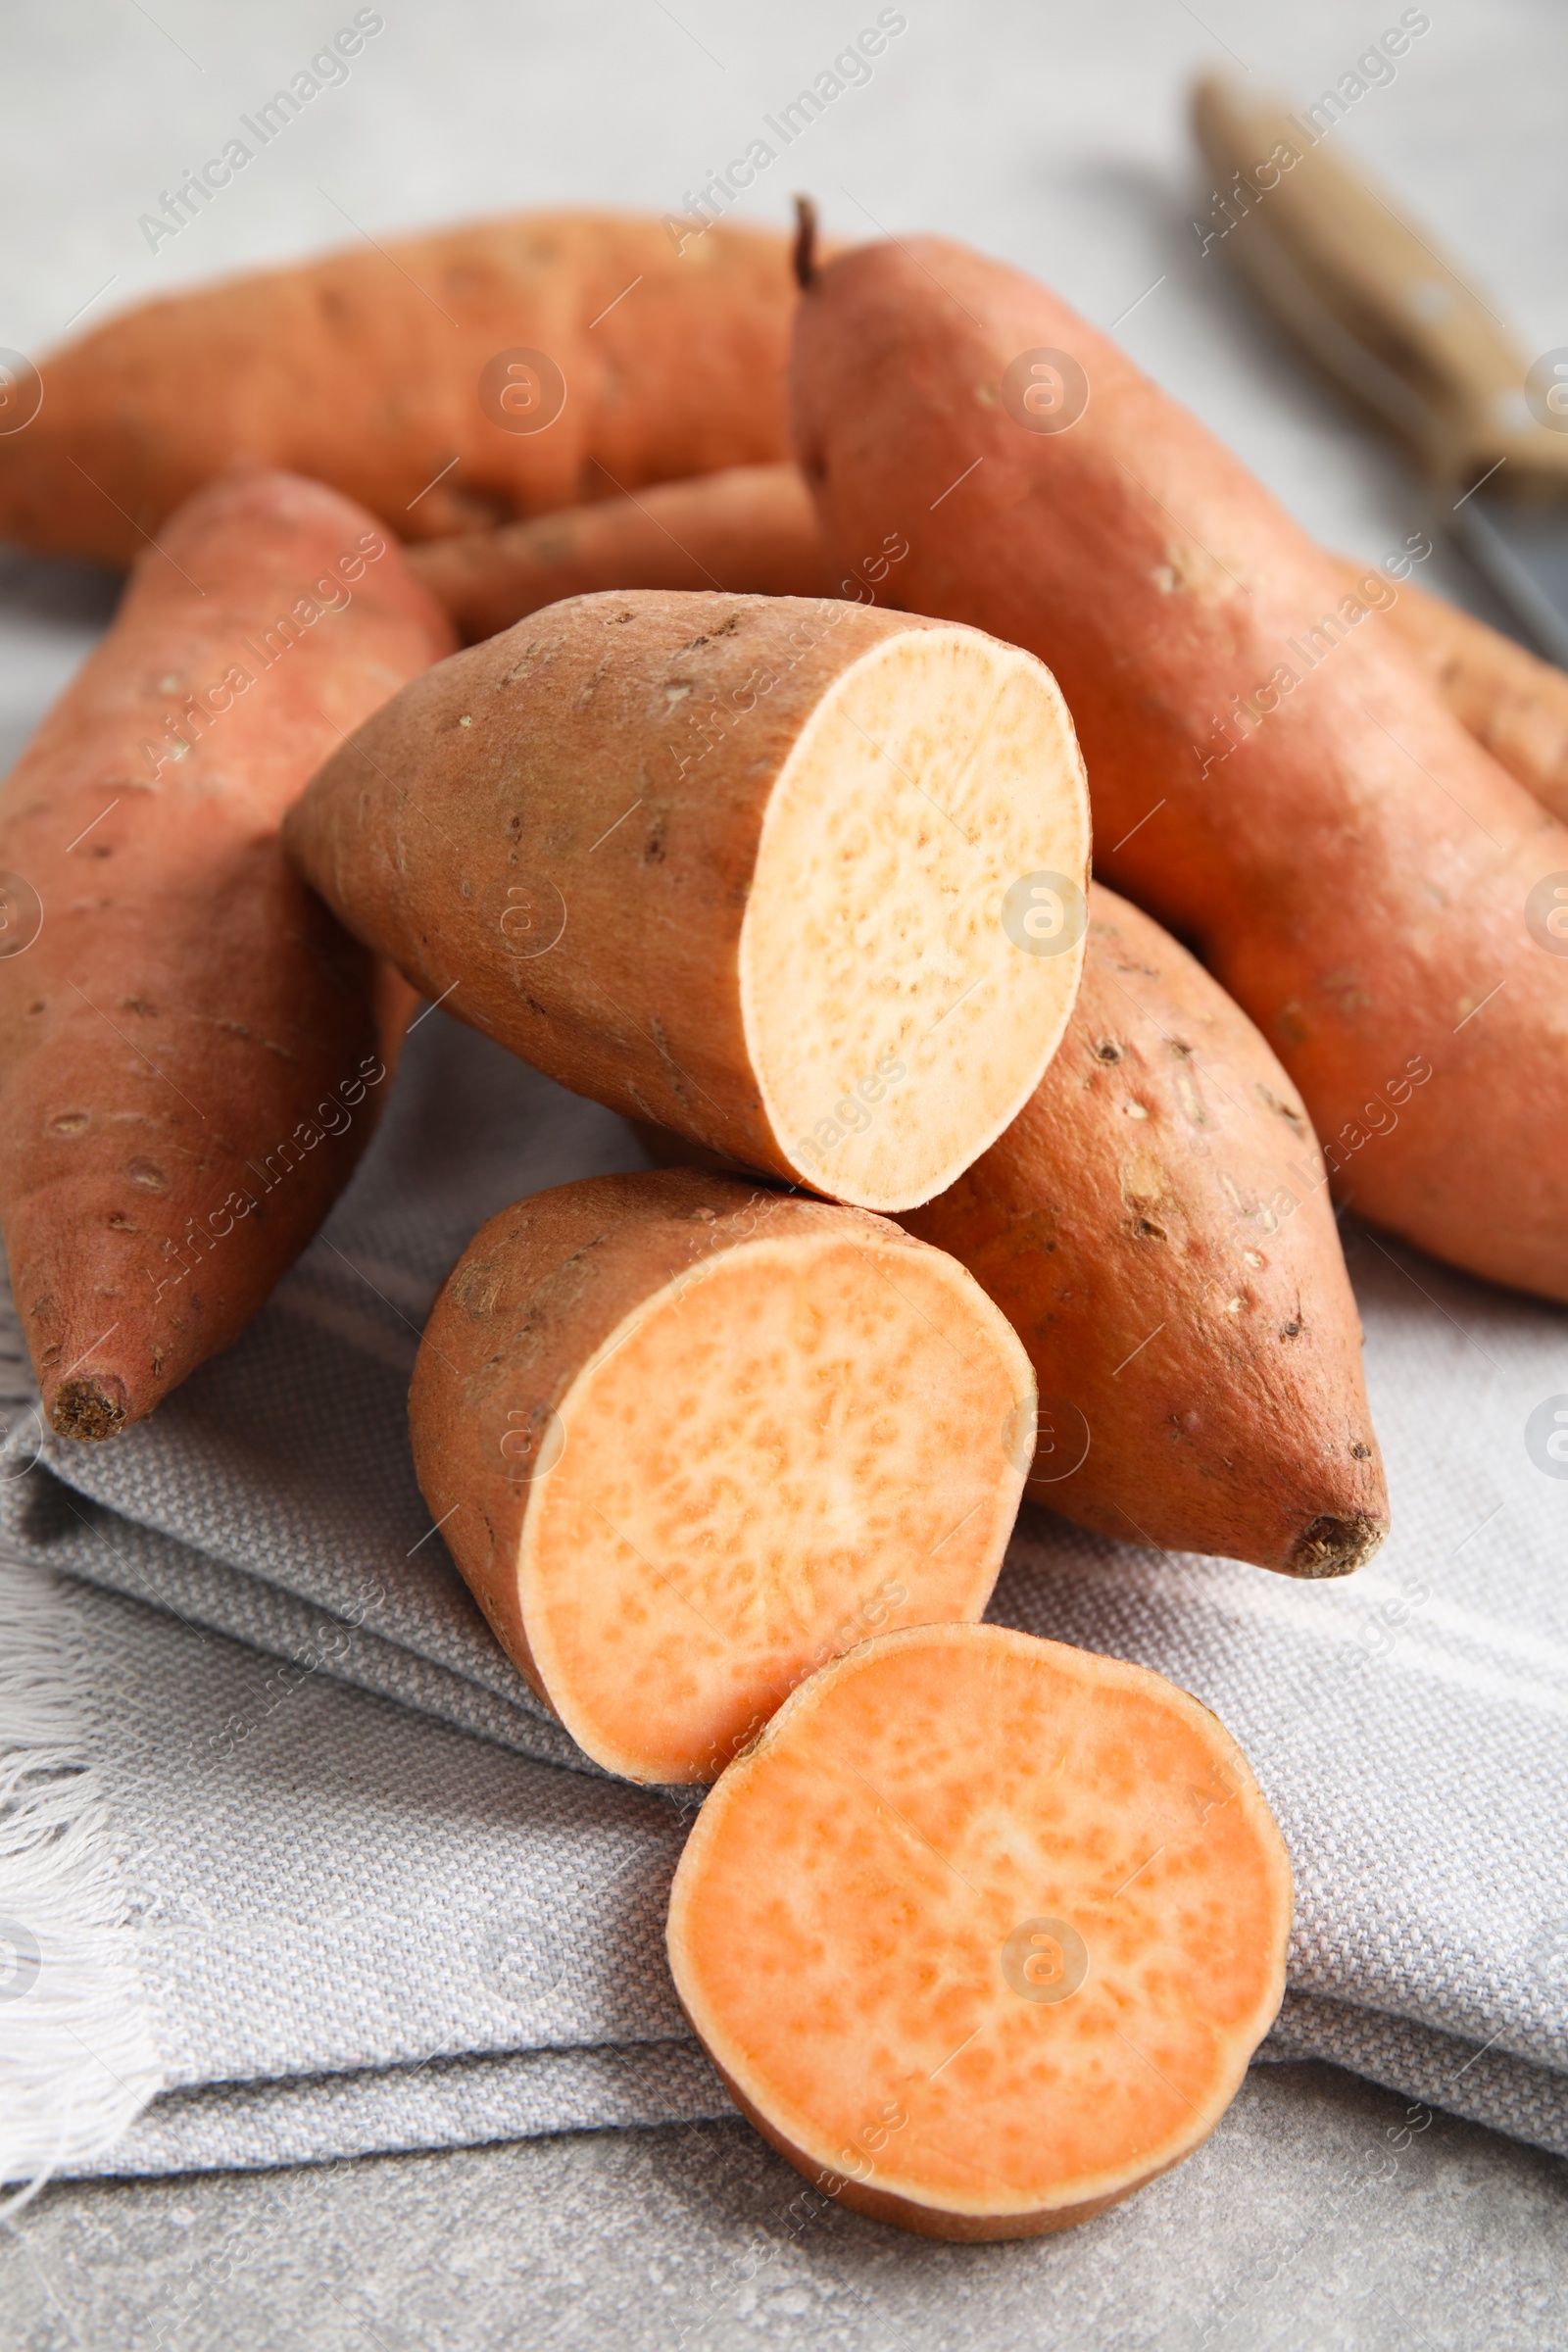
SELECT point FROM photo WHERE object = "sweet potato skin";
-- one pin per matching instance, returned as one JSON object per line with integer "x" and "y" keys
{"x": 193, "y": 1052}
{"x": 363, "y": 369}
{"x": 904, "y": 2213}
{"x": 1514, "y": 704}
{"x": 1157, "y": 1227}
{"x": 751, "y": 528}
{"x": 1348, "y": 863}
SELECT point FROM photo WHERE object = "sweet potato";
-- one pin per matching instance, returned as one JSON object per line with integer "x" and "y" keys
{"x": 1506, "y": 696}
{"x": 751, "y": 527}
{"x": 983, "y": 1931}
{"x": 447, "y": 381}
{"x": 685, "y": 1439}
{"x": 1272, "y": 778}
{"x": 1156, "y": 1224}
{"x": 748, "y": 868}
{"x": 189, "y": 1057}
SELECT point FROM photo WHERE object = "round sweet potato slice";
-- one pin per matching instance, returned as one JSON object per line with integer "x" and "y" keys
{"x": 687, "y": 1439}
{"x": 982, "y": 1931}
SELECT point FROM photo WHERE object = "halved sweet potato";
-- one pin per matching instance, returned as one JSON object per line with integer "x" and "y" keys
{"x": 800, "y": 880}
{"x": 448, "y": 380}
{"x": 686, "y": 1439}
{"x": 983, "y": 1931}
{"x": 1271, "y": 777}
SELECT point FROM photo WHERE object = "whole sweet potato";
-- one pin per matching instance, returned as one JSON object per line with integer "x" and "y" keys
{"x": 685, "y": 1438}
{"x": 450, "y": 380}
{"x": 1271, "y": 777}
{"x": 191, "y": 1056}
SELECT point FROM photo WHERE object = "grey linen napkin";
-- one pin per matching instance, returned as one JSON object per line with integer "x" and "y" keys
{"x": 336, "y": 1882}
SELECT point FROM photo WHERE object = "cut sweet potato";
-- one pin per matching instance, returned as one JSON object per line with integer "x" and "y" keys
{"x": 1514, "y": 704}
{"x": 983, "y": 1931}
{"x": 448, "y": 381}
{"x": 752, "y": 528}
{"x": 1156, "y": 1226}
{"x": 748, "y": 868}
{"x": 686, "y": 1439}
{"x": 1273, "y": 776}
{"x": 193, "y": 1052}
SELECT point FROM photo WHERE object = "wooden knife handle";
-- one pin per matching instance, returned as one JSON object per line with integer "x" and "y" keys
{"x": 1364, "y": 292}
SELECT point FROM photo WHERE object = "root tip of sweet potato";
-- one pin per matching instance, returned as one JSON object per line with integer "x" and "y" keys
{"x": 804, "y": 242}
{"x": 92, "y": 1408}
{"x": 1330, "y": 1546}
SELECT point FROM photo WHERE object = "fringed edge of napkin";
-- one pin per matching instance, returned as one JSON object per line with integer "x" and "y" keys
{"x": 77, "y": 2062}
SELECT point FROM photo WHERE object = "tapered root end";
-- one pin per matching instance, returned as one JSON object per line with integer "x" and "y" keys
{"x": 1337, "y": 1546}
{"x": 804, "y": 242}
{"x": 92, "y": 1408}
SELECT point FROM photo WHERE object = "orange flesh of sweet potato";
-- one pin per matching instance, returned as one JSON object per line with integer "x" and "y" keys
{"x": 983, "y": 1931}
{"x": 686, "y": 1439}
{"x": 655, "y": 364}
{"x": 751, "y": 528}
{"x": 1514, "y": 704}
{"x": 193, "y": 1052}
{"x": 737, "y": 865}
{"x": 1291, "y": 797}
{"x": 1156, "y": 1224}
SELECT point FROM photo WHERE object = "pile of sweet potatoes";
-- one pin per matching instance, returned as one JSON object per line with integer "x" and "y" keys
{"x": 759, "y": 809}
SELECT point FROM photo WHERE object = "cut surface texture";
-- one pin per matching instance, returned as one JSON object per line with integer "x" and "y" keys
{"x": 983, "y": 1931}
{"x": 192, "y": 1051}
{"x": 1156, "y": 1226}
{"x": 750, "y": 868}
{"x": 696, "y": 1437}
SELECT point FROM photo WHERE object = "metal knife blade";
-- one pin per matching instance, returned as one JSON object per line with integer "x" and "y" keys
{"x": 1523, "y": 551}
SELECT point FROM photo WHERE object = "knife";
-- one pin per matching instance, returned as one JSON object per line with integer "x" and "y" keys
{"x": 1370, "y": 299}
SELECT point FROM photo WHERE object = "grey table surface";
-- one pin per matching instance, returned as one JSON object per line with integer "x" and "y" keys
{"x": 1323, "y": 2213}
